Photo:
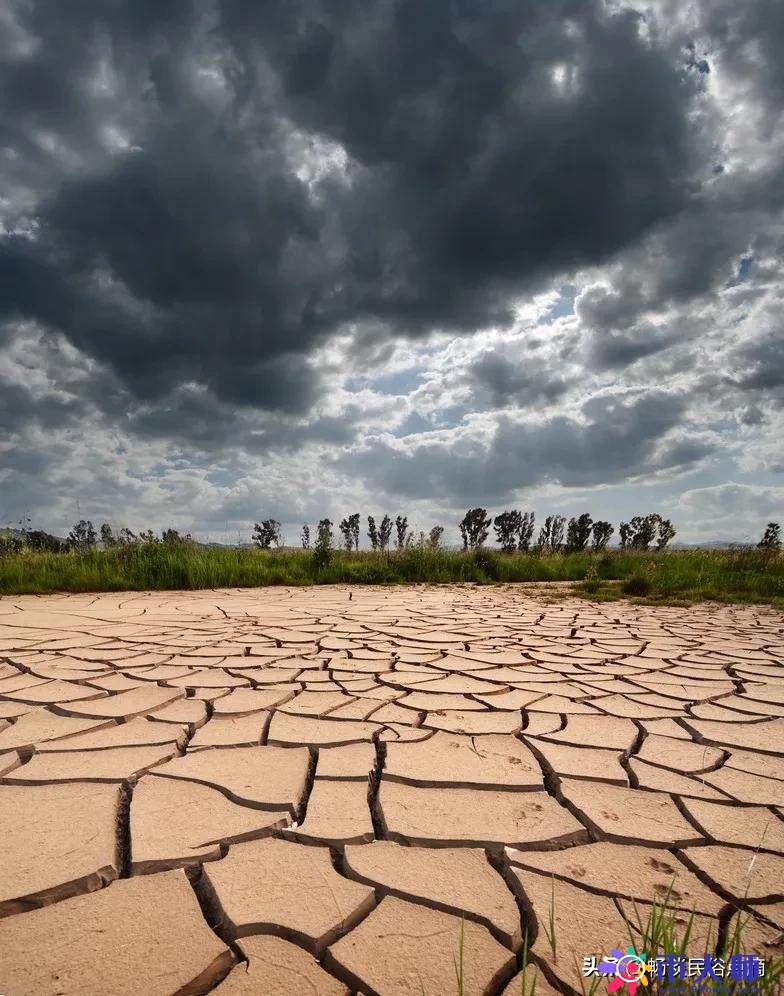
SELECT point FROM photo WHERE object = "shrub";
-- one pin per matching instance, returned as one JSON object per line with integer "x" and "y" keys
{"x": 637, "y": 585}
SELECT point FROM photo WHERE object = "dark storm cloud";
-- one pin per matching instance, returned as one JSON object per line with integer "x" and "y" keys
{"x": 613, "y": 442}
{"x": 759, "y": 367}
{"x": 197, "y": 255}
{"x": 497, "y": 381}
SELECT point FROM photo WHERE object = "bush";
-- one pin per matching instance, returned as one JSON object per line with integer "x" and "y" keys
{"x": 637, "y": 585}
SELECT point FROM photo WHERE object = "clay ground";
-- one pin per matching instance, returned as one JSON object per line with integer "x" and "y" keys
{"x": 317, "y": 790}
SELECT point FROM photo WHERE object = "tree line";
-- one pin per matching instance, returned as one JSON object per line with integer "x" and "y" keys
{"x": 514, "y": 532}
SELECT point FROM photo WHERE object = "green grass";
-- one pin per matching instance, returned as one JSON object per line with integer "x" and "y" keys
{"x": 660, "y": 930}
{"x": 681, "y": 576}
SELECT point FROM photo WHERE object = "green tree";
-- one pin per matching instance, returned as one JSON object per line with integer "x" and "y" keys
{"x": 434, "y": 537}
{"x": 373, "y": 532}
{"x": 602, "y": 531}
{"x": 322, "y": 552}
{"x": 401, "y": 530}
{"x": 384, "y": 533}
{"x": 474, "y": 528}
{"x": 666, "y": 533}
{"x": 526, "y": 531}
{"x": 771, "y": 538}
{"x": 266, "y": 532}
{"x": 171, "y": 537}
{"x": 578, "y": 533}
{"x": 126, "y": 537}
{"x": 353, "y": 526}
{"x": 83, "y": 536}
{"x": 507, "y": 528}
{"x": 305, "y": 536}
{"x": 107, "y": 536}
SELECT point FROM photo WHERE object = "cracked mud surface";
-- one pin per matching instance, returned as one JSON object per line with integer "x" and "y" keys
{"x": 319, "y": 790}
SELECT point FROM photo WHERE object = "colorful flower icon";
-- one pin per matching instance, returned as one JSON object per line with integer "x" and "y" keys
{"x": 629, "y": 968}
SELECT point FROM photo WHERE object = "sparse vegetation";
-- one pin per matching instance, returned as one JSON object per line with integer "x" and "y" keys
{"x": 642, "y": 567}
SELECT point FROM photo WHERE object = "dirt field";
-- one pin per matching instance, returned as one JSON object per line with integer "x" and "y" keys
{"x": 322, "y": 790}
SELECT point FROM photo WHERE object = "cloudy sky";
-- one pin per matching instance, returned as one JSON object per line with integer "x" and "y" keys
{"x": 294, "y": 258}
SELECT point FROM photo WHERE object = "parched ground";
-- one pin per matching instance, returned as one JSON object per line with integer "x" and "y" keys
{"x": 287, "y": 791}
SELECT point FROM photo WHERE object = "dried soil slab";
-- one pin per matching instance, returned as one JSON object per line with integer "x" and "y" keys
{"x": 354, "y": 761}
{"x": 318, "y": 732}
{"x": 338, "y": 813}
{"x": 649, "y": 776}
{"x": 582, "y": 731}
{"x": 231, "y": 731}
{"x": 141, "y": 935}
{"x": 440, "y": 702}
{"x": 585, "y": 924}
{"x": 318, "y": 703}
{"x": 261, "y": 777}
{"x": 212, "y": 677}
{"x": 765, "y": 737}
{"x": 748, "y": 826}
{"x": 758, "y": 937}
{"x": 58, "y": 841}
{"x": 629, "y": 815}
{"x": 458, "y": 880}
{"x": 113, "y": 765}
{"x": 491, "y": 761}
{"x": 511, "y": 701}
{"x": 190, "y": 711}
{"x": 278, "y": 968}
{"x": 403, "y": 949}
{"x": 624, "y": 870}
{"x": 279, "y": 887}
{"x": 244, "y": 701}
{"x": 41, "y": 725}
{"x": 176, "y": 822}
{"x": 443, "y": 817}
{"x": 533, "y": 980}
{"x": 125, "y": 705}
{"x": 51, "y": 692}
{"x": 20, "y": 680}
{"x": 680, "y": 755}
{"x": 540, "y": 723}
{"x": 740, "y": 874}
{"x": 758, "y": 764}
{"x": 474, "y": 723}
{"x": 747, "y": 787}
{"x": 583, "y": 762}
{"x": 137, "y": 733}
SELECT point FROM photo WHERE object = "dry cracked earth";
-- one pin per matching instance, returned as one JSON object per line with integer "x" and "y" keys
{"x": 312, "y": 791}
